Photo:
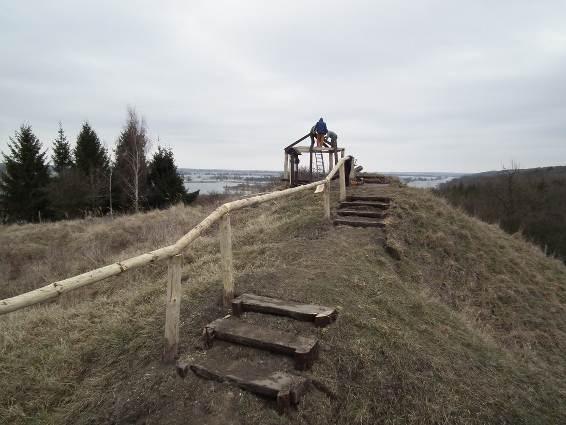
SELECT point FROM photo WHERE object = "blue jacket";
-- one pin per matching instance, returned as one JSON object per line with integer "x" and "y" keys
{"x": 320, "y": 127}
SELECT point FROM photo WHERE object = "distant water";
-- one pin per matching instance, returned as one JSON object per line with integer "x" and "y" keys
{"x": 248, "y": 181}
{"x": 227, "y": 181}
{"x": 425, "y": 180}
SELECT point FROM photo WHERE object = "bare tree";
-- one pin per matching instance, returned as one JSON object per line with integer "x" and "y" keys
{"x": 131, "y": 164}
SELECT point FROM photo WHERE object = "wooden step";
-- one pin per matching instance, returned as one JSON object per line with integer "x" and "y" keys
{"x": 284, "y": 387}
{"x": 358, "y": 223}
{"x": 384, "y": 199}
{"x": 362, "y": 213}
{"x": 320, "y": 315}
{"x": 304, "y": 350}
{"x": 349, "y": 204}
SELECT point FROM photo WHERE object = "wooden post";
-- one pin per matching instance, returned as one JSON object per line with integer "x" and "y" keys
{"x": 326, "y": 200}
{"x": 310, "y": 166}
{"x": 286, "y": 166}
{"x": 226, "y": 255}
{"x": 342, "y": 182}
{"x": 352, "y": 176}
{"x": 173, "y": 308}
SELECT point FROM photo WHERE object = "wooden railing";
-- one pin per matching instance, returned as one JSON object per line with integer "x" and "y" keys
{"x": 172, "y": 253}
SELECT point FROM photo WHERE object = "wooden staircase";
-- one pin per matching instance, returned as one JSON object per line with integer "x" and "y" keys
{"x": 286, "y": 388}
{"x": 363, "y": 211}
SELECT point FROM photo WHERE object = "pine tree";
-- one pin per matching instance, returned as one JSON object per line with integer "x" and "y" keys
{"x": 24, "y": 180}
{"x": 62, "y": 158}
{"x": 131, "y": 163}
{"x": 91, "y": 159}
{"x": 165, "y": 184}
{"x": 90, "y": 155}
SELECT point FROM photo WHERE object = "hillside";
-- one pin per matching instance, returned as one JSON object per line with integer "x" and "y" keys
{"x": 460, "y": 323}
{"x": 531, "y": 201}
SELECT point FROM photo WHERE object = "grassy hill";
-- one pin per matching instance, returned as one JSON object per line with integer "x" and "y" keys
{"x": 531, "y": 201}
{"x": 468, "y": 326}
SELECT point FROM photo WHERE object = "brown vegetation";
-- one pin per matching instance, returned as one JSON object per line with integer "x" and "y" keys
{"x": 531, "y": 201}
{"x": 468, "y": 325}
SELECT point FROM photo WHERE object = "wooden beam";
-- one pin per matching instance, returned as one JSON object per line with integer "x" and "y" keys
{"x": 226, "y": 255}
{"x": 173, "y": 308}
{"x": 298, "y": 141}
{"x": 342, "y": 182}
{"x": 231, "y": 329}
{"x": 326, "y": 195}
{"x": 352, "y": 176}
{"x": 286, "y": 166}
{"x": 310, "y": 166}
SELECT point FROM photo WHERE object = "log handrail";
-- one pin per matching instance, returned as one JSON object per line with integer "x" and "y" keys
{"x": 55, "y": 289}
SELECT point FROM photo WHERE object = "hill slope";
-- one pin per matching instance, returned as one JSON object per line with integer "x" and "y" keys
{"x": 469, "y": 326}
{"x": 532, "y": 201}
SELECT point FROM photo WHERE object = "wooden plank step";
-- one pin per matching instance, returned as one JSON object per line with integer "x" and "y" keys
{"x": 287, "y": 389}
{"x": 320, "y": 315}
{"x": 358, "y": 223}
{"x": 362, "y": 213}
{"x": 379, "y": 205}
{"x": 304, "y": 350}
{"x": 384, "y": 199}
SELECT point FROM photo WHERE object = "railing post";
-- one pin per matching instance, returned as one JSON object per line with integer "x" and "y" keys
{"x": 286, "y": 167}
{"x": 342, "y": 182}
{"x": 226, "y": 255}
{"x": 326, "y": 200}
{"x": 173, "y": 308}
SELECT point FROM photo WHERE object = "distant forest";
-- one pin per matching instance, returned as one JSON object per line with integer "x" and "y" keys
{"x": 86, "y": 179}
{"x": 532, "y": 201}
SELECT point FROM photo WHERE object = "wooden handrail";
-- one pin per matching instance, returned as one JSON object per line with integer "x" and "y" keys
{"x": 58, "y": 288}
{"x": 173, "y": 254}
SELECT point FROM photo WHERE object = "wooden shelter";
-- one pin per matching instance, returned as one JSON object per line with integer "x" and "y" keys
{"x": 317, "y": 168}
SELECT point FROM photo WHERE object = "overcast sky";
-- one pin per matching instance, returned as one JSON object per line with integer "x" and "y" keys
{"x": 407, "y": 85}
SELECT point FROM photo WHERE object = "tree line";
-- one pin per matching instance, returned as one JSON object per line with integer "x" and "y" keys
{"x": 86, "y": 179}
{"x": 530, "y": 201}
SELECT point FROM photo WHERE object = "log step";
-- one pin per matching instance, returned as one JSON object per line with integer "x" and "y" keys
{"x": 304, "y": 350}
{"x": 284, "y": 387}
{"x": 320, "y": 315}
{"x": 384, "y": 199}
{"x": 362, "y": 213}
{"x": 349, "y": 204}
{"x": 358, "y": 223}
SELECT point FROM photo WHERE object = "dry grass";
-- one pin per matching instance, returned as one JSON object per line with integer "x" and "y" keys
{"x": 468, "y": 327}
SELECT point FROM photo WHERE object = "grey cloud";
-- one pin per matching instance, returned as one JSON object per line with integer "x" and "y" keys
{"x": 429, "y": 85}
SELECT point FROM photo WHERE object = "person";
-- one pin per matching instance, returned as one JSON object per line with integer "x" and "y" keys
{"x": 319, "y": 131}
{"x": 333, "y": 139}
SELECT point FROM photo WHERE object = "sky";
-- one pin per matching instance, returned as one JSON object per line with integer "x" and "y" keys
{"x": 427, "y": 85}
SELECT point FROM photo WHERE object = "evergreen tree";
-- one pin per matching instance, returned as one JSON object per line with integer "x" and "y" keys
{"x": 69, "y": 194}
{"x": 131, "y": 164}
{"x": 62, "y": 158}
{"x": 90, "y": 155}
{"x": 165, "y": 184}
{"x": 91, "y": 159}
{"x": 24, "y": 180}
